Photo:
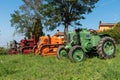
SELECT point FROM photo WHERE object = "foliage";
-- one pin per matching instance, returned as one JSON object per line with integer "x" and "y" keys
{"x": 52, "y": 13}
{"x": 3, "y": 51}
{"x": 23, "y": 18}
{"x": 37, "y": 28}
{"x": 65, "y": 12}
{"x": 31, "y": 67}
{"x": 115, "y": 32}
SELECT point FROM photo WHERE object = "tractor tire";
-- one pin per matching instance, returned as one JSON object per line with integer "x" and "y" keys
{"x": 61, "y": 52}
{"x": 106, "y": 48}
{"x": 76, "y": 54}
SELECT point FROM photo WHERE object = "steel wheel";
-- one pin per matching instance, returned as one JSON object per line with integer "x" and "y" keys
{"x": 76, "y": 54}
{"x": 108, "y": 48}
{"x": 61, "y": 52}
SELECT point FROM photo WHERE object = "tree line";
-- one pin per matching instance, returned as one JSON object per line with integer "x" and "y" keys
{"x": 34, "y": 15}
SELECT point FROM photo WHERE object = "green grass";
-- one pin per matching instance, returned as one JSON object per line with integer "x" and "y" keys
{"x": 31, "y": 67}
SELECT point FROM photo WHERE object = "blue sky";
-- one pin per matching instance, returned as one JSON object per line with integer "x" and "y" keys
{"x": 108, "y": 11}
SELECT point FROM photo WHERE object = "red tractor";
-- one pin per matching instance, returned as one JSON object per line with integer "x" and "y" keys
{"x": 25, "y": 46}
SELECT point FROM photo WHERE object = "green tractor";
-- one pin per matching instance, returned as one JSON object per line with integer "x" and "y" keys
{"x": 82, "y": 41}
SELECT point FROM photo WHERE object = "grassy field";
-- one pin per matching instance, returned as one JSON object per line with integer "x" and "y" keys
{"x": 31, "y": 67}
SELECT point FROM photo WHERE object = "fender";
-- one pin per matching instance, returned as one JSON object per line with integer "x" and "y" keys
{"x": 103, "y": 35}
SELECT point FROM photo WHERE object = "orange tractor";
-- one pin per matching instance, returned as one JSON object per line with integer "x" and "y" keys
{"x": 48, "y": 45}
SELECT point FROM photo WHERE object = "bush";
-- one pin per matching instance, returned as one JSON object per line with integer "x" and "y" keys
{"x": 3, "y": 51}
{"x": 115, "y": 32}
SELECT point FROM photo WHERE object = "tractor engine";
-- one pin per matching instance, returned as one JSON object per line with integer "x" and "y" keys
{"x": 83, "y": 38}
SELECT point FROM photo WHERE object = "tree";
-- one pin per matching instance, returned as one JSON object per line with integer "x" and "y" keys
{"x": 23, "y": 19}
{"x": 65, "y": 12}
{"x": 114, "y": 32}
{"x": 37, "y": 28}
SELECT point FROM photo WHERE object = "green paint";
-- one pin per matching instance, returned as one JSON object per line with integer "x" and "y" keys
{"x": 63, "y": 53}
{"x": 78, "y": 55}
{"x": 108, "y": 48}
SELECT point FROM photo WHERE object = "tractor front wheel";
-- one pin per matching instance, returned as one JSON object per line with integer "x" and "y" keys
{"x": 76, "y": 54}
{"x": 61, "y": 52}
{"x": 106, "y": 47}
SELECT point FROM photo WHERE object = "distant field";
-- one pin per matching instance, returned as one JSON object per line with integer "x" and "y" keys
{"x": 31, "y": 67}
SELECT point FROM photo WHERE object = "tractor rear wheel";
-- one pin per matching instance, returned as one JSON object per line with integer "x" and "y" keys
{"x": 76, "y": 54}
{"x": 61, "y": 52}
{"x": 106, "y": 47}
